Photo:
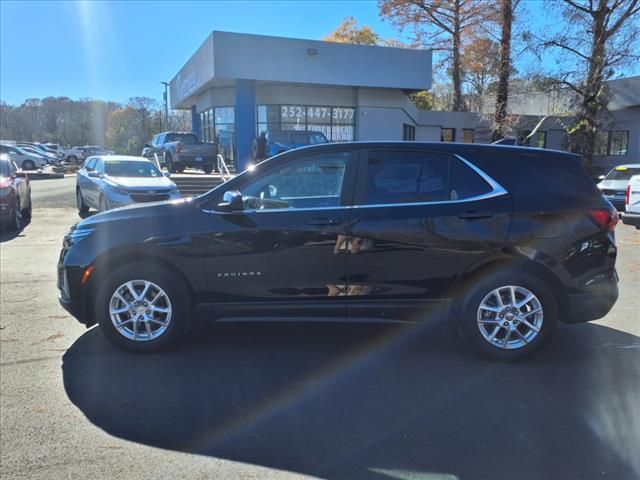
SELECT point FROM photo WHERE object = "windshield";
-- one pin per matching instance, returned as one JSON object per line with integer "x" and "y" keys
{"x": 623, "y": 173}
{"x": 128, "y": 168}
{"x": 184, "y": 138}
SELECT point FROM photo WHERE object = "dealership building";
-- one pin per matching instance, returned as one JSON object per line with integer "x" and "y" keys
{"x": 238, "y": 85}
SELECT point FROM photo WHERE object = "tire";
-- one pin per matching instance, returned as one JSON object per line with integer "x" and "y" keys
{"x": 16, "y": 217}
{"x": 147, "y": 330}
{"x": 103, "y": 204}
{"x": 180, "y": 169}
{"x": 168, "y": 161}
{"x": 82, "y": 207}
{"x": 504, "y": 332}
{"x": 26, "y": 212}
{"x": 28, "y": 165}
{"x": 72, "y": 159}
{"x": 207, "y": 169}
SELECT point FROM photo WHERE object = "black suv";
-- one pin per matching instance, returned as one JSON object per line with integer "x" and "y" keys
{"x": 504, "y": 241}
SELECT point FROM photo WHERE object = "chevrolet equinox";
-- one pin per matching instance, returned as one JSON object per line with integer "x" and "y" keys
{"x": 505, "y": 242}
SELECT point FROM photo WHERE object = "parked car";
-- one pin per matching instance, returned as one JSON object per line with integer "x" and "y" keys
{"x": 91, "y": 150}
{"x": 26, "y": 160}
{"x": 177, "y": 151}
{"x": 273, "y": 142}
{"x": 422, "y": 230}
{"x": 110, "y": 181}
{"x": 50, "y": 157}
{"x": 614, "y": 184}
{"x": 15, "y": 194}
{"x": 631, "y": 215}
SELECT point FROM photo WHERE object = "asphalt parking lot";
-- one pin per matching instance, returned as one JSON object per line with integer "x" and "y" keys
{"x": 323, "y": 401}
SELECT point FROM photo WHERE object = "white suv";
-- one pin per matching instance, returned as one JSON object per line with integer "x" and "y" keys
{"x": 631, "y": 216}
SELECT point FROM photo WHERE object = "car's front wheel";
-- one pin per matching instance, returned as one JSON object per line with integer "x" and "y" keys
{"x": 507, "y": 315}
{"x": 82, "y": 207}
{"x": 142, "y": 308}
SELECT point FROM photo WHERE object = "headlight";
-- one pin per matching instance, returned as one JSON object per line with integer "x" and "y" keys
{"x": 5, "y": 191}
{"x": 116, "y": 189}
{"x": 78, "y": 234}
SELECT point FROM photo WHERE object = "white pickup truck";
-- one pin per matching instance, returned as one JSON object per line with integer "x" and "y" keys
{"x": 631, "y": 215}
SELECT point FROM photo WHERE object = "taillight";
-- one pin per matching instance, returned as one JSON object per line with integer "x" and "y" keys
{"x": 627, "y": 195}
{"x": 605, "y": 218}
{"x": 178, "y": 148}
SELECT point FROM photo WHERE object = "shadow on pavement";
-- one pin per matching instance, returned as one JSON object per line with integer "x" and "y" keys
{"x": 7, "y": 235}
{"x": 372, "y": 401}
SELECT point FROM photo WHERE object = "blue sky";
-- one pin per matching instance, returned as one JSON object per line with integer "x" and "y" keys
{"x": 116, "y": 50}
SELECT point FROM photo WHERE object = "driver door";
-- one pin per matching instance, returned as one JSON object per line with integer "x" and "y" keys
{"x": 284, "y": 254}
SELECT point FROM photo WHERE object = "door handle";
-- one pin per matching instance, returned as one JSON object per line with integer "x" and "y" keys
{"x": 473, "y": 214}
{"x": 325, "y": 221}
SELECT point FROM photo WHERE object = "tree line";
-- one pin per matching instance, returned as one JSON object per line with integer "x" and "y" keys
{"x": 123, "y": 128}
{"x": 477, "y": 41}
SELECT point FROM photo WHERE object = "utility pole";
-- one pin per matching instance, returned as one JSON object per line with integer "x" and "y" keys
{"x": 166, "y": 105}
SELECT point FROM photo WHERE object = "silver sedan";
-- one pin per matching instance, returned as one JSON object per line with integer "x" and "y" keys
{"x": 110, "y": 181}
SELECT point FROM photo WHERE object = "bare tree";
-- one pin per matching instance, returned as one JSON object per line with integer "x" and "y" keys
{"x": 440, "y": 25}
{"x": 598, "y": 37}
{"x": 502, "y": 95}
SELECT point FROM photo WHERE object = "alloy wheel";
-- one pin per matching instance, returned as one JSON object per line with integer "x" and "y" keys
{"x": 140, "y": 310}
{"x": 510, "y": 317}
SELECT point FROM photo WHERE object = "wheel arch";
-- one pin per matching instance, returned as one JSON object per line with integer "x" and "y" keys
{"x": 523, "y": 265}
{"x": 103, "y": 266}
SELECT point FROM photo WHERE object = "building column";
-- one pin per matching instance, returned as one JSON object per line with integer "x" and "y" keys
{"x": 245, "y": 122}
{"x": 195, "y": 122}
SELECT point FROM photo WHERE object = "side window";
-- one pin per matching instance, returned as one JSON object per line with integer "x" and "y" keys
{"x": 99, "y": 166}
{"x": 465, "y": 183}
{"x": 310, "y": 182}
{"x": 91, "y": 164}
{"x": 406, "y": 177}
{"x": 414, "y": 177}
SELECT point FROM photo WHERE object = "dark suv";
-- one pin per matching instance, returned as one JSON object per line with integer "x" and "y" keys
{"x": 503, "y": 241}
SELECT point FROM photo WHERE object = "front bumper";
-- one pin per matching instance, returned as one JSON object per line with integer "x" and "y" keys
{"x": 593, "y": 302}
{"x": 77, "y": 308}
{"x": 629, "y": 218}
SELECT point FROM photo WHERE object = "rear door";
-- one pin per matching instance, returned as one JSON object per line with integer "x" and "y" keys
{"x": 420, "y": 219}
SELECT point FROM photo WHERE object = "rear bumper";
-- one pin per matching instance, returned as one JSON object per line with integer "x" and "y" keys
{"x": 629, "y": 218}
{"x": 617, "y": 201}
{"x": 593, "y": 302}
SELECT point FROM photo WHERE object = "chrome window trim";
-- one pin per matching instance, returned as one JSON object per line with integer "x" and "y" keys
{"x": 497, "y": 190}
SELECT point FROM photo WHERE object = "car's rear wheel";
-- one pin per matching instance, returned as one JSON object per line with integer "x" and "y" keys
{"x": 507, "y": 315}
{"x": 143, "y": 308}
{"x": 168, "y": 161}
{"x": 82, "y": 207}
{"x": 207, "y": 169}
{"x": 72, "y": 159}
{"x": 28, "y": 165}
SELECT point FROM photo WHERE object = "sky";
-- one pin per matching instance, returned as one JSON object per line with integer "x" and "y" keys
{"x": 116, "y": 50}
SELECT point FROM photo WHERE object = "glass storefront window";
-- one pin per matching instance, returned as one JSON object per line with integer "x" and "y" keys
{"x": 336, "y": 123}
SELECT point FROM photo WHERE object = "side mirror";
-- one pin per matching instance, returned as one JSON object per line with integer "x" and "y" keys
{"x": 147, "y": 145}
{"x": 231, "y": 202}
{"x": 601, "y": 177}
{"x": 167, "y": 174}
{"x": 94, "y": 174}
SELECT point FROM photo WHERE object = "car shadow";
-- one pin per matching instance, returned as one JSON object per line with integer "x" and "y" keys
{"x": 8, "y": 235}
{"x": 88, "y": 214}
{"x": 372, "y": 401}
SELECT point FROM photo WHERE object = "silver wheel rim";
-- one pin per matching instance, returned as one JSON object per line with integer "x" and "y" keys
{"x": 140, "y": 310}
{"x": 510, "y": 317}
